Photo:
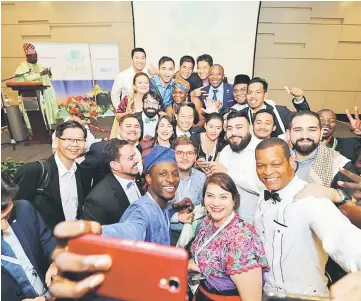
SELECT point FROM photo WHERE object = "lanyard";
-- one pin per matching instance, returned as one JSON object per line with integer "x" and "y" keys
{"x": 200, "y": 249}
{"x": 165, "y": 211}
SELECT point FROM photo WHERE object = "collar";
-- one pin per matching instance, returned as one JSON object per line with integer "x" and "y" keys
{"x": 239, "y": 106}
{"x": 158, "y": 82}
{"x": 291, "y": 189}
{"x": 123, "y": 182}
{"x": 263, "y": 107}
{"x": 145, "y": 117}
{"x": 61, "y": 167}
{"x": 179, "y": 132}
{"x": 219, "y": 88}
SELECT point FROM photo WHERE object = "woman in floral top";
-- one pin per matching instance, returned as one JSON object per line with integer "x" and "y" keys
{"x": 226, "y": 251}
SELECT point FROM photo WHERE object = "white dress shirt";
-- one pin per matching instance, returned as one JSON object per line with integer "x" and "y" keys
{"x": 297, "y": 235}
{"x": 23, "y": 260}
{"x": 180, "y": 133}
{"x": 68, "y": 189}
{"x": 149, "y": 127}
{"x": 242, "y": 169}
{"x": 130, "y": 189}
{"x": 219, "y": 94}
{"x": 239, "y": 106}
{"x": 123, "y": 85}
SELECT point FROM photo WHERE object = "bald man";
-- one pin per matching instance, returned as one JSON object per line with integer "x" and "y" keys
{"x": 220, "y": 92}
{"x": 348, "y": 147}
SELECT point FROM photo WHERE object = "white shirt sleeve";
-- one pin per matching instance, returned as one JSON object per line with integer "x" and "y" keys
{"x": 298, "y": 101}
{"x": 340, "y": 239}
{"x": 117, "y": 90}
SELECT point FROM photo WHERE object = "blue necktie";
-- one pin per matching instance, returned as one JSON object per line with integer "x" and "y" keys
{"x": 215, "y": 94}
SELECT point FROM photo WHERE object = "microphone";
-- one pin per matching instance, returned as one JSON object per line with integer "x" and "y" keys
{"x": 20, "y": 75}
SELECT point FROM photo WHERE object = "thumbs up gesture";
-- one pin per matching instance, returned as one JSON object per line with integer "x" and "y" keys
{"x": 294, "y": 92}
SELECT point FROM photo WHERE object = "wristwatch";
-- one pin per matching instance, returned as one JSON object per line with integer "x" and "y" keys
{"x": 344, "y": 198}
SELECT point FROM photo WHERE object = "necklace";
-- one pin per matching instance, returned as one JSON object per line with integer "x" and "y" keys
{"x": 214, "y": 148}
{"x": 328, "y": 140}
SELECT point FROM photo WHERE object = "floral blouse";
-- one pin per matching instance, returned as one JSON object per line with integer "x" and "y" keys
{"x": 236, "y": 249}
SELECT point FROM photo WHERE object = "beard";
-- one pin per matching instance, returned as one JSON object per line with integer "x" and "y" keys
{"x": 242, "y": 145}
{"x": 305, "y": 149}
{"x": 150, "y": 112}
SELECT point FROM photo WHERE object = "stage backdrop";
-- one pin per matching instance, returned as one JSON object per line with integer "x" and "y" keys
{"x": 75, "y": 67}
{"x": 226, "y": 30}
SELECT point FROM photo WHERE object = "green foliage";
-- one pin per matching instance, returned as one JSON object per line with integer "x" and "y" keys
{"x": 9, "y": 167}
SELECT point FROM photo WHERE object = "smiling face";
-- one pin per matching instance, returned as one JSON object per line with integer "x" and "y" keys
{"x": 185, "y": 118}
{"x": 165, "y": 130}
{"x": 186, "y": 70}
{"x": 273, "y": 168}
{"x": 203, "y": 69}
{"x": 141, "y": 84}
{"x": 240, "y": 93}
{"x": 179, "y": 95}
{"x": 219, "y": 203}
{"x": 126, "y": 166}
{"x": 256, "y": 96}
{"x": 213, "y": 129}
{"x": 238, "y": 133}
{"x": 129, "y": 130}
{"x": 163, "y": 180}
{"x": 70, "y": 149}
{"x": 166, "y": 72}
{"x": 216, "y": 76}
{"x": 185, "y": 156}
{"x": 151, "y": 106}
{"x": 32, "y": 58}
{"x": 263, "y": 125}
{"x": 328, "y": 122}
{"x": 305, "y": 134}
{"x": 139, "y": 61}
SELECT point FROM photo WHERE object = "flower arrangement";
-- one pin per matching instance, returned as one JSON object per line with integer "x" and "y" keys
{"x": 82, "y": 107}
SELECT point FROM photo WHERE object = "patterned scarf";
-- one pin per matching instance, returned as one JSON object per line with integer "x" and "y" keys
{"x": 325, "y": 165}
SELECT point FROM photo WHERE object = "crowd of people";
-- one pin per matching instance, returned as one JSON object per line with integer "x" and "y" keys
{"x": 272, "y": 196}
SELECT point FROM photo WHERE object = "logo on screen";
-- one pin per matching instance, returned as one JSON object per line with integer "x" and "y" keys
{"x": 75, "y": 56}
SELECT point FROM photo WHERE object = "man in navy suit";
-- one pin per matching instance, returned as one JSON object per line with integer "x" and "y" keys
{"x": 217, "y": 90}
{"x": 26, "y": 248}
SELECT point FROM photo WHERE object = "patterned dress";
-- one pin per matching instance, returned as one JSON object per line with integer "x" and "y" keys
{"x": 236, "y": 249}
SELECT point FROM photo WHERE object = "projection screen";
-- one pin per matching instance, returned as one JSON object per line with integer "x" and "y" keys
{"x": 225, "y": 30}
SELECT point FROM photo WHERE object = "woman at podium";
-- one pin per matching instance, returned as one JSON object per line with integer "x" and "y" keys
{"x": 30, "y": 70}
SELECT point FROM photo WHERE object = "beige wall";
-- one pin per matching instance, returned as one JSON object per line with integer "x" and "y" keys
{"x": 98, "y": 22}
{"x": 315, "y": 46}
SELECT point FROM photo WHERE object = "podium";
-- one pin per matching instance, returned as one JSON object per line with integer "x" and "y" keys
{"x": 31, "y": 95}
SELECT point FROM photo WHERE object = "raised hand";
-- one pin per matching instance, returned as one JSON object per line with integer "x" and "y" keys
{"x": 294, "y": 92}
{"x": 198, "y": 92}
{"x": 355, "y": 123}
{"x": 356, "y": 187}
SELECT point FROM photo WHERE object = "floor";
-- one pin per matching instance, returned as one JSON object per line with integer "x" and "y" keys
{"x": 42, "y": 151}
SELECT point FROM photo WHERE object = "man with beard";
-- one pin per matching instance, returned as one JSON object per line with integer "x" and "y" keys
{"x": 148, "y": 118}
{"x": 147, "y": 219}
{"x": 318, "y": 164}
{"x": 349, "y": 147}
{"x": 237, "y": 159}
{"x": 109, "y": 199}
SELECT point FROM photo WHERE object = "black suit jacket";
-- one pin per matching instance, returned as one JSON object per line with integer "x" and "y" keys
{"x": 50, "y": 207}
{"x": 37, "y": 242}
{"x": 95, "y": 167}
{"x": 107, "y": 201}
{"x": 285, "y": 114}
{"x": 348, "y": 147}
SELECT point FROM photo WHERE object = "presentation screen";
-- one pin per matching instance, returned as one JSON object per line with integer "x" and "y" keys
{"x": 225, "y": 30}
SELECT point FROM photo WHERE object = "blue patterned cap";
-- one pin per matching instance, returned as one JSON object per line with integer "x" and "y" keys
{"x": 159, "y": 154}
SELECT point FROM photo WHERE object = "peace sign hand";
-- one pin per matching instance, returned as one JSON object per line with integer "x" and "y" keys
{"x": 355, "y": 123}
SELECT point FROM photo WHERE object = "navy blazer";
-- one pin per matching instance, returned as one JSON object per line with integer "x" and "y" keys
{"x": 38, "y": 244}
{"x": 227, "y": 95}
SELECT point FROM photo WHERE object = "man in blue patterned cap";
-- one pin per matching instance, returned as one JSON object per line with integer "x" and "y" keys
{"x": 147, "y": 219}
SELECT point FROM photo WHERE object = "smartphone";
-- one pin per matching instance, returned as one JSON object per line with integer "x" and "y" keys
{"x": 277, "y": 296}
{"x": 140, "y": 270}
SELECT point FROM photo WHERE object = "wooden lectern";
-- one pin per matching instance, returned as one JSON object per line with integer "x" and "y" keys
{"x": 31, "y": 93}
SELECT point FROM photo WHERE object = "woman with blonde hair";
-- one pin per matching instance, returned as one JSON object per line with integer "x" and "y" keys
{"x": 131, "y": 103}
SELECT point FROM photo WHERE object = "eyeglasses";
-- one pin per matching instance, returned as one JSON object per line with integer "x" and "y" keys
{"x": 72, "y": 140}
{"x": 149, "y": 103}
{"x": 181, "y": 154}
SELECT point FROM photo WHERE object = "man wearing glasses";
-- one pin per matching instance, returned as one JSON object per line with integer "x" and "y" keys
{"x": 62, "y": 197}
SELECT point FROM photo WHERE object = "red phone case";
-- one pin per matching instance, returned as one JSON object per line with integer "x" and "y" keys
{"x": 140, "y": 271}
